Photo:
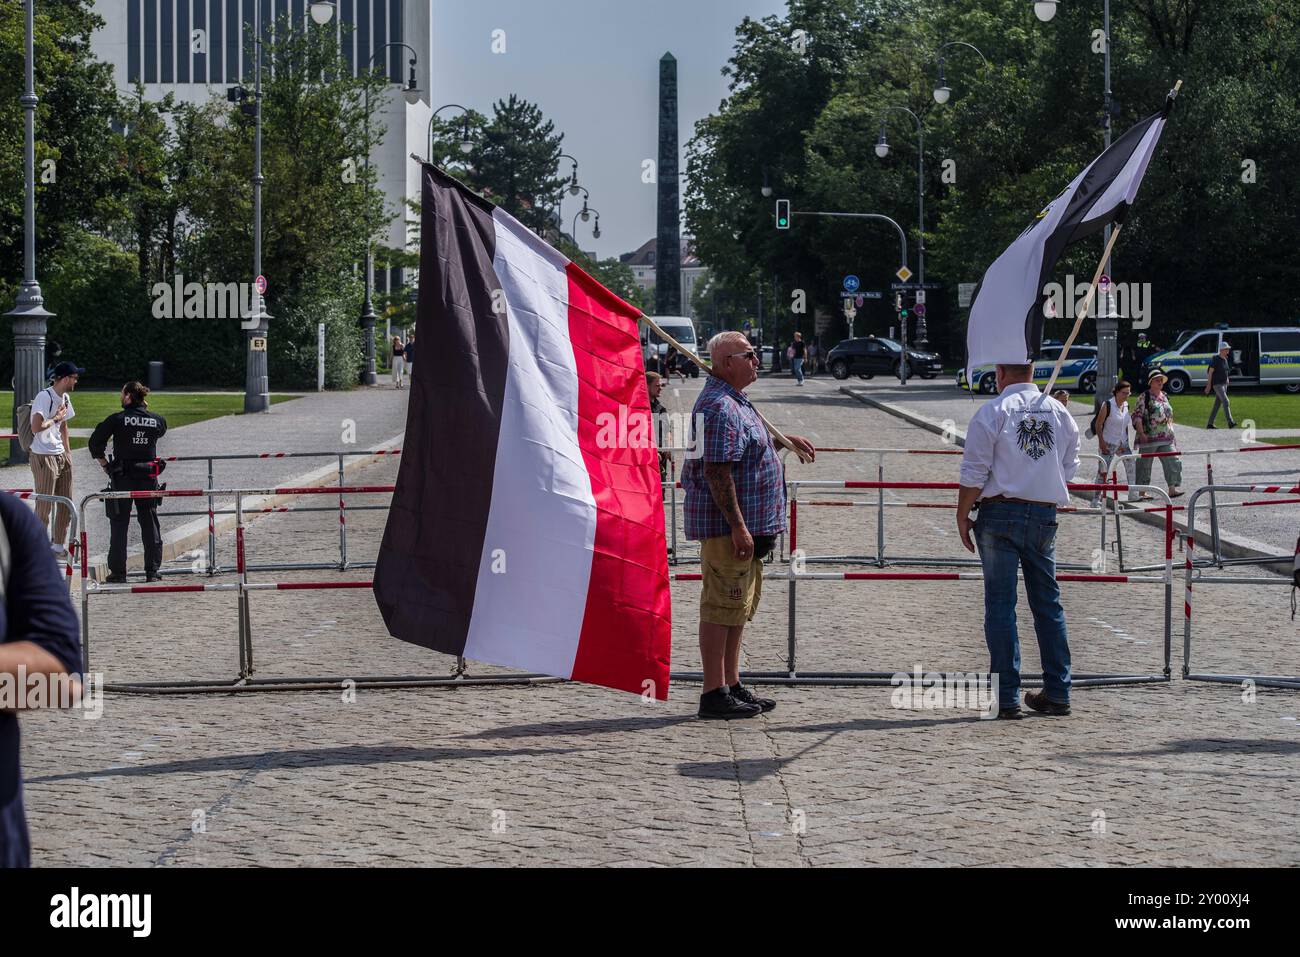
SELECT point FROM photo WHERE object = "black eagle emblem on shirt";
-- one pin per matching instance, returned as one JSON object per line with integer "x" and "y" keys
{"x": 1034, "y": 436}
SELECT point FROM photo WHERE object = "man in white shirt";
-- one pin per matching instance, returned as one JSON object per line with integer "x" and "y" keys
{"x": 1022, "y": 449}
{"x": 50, "y": 457}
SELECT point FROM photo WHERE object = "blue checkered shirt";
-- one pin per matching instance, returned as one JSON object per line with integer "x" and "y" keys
{"x": 733, "y": 432}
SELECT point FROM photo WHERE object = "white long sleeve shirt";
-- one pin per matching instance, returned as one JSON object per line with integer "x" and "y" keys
{"x": 1023, "y": 444}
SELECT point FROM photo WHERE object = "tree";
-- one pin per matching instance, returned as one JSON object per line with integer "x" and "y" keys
{"x": 515, "y": 161}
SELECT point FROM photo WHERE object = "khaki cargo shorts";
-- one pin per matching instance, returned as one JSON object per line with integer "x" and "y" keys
{"x": 732, "y": 586}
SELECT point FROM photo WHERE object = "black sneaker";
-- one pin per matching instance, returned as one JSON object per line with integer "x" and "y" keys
{"x": 115, "y": 579}
{"x": 1010, "y": 714}
{"x": 1211, "y": 426}
{"x": 745, "y": 696}
{"x": 720, "y": 705}
{"x": 155, "y": 577}
{"x": 1039, "y": 701}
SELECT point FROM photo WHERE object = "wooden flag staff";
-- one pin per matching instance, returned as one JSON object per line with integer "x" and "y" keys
{"x": 776, "y": 433}
{"x": 1083, "y": 313}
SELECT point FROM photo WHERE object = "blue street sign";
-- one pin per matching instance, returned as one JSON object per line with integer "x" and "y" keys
{"x": 851, "y": 283}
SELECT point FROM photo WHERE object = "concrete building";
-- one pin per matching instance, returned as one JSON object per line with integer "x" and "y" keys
{"x": 643, "y": 269}
{"x": 197, "y": 49}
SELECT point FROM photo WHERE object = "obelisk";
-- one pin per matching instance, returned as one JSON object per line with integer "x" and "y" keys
{"x": 668, "y": 242}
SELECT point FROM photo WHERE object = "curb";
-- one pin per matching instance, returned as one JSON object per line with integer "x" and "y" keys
{"x": 185, "y": 538}
{"x": 1230, "y": 546}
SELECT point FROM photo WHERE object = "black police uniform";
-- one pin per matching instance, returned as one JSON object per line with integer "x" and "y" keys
{"x": 135, "y": 432}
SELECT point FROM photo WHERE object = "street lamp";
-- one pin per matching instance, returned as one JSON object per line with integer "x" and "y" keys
{"x": 767, "y": 186}
{"x": 942, "y": 92}
{"x": 573, "y": 188}
{"x": 322, "y": 11}
{"x": 28, "y": 314}
{"x": 411, "y": 93}
{"x": 882, "y": 150}
{"x": 585, "y": 215}
{"x": 466, "y": 143}
{"x": 1044, "y": 9}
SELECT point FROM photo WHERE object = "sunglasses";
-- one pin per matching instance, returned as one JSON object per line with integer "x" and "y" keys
{"x": 749, "y": 354}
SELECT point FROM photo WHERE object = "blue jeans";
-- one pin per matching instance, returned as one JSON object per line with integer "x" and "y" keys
{"x": 1012, "y": 535}
{"x": 796, "y": 366}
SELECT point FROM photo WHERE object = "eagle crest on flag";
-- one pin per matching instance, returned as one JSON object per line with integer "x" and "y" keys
{"x": 1034, "y": 436}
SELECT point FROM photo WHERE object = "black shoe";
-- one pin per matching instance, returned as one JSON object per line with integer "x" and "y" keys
{"x": 745, "y": 696}
{"x": 117, "y": 578}
{"x": 1211, "y": 426}
{"x": 1039, "y": 701}
{"x": 155, "y": 577}
{"x": 1010, "y": 714}
{"x": 720, "y": 705}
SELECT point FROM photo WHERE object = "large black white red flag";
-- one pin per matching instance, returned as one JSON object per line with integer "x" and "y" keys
{"x": 519, "y": 533}
{"x": 1006, "y": 313}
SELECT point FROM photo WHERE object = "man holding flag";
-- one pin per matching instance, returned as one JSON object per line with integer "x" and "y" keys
{"x": 1022, "y": 447}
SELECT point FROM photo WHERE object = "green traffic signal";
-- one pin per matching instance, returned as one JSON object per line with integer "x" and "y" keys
{"x": 782, "y": 214}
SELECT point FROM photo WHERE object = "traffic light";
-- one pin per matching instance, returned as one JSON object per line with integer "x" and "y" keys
{"x": 782, "y": 214}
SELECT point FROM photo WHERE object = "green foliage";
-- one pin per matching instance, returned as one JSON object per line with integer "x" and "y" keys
{"x": 515, "y": 159}
{"x": 1016, "y": 131}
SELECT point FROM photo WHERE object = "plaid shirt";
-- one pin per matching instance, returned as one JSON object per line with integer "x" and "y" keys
{"x": 733, "y": 432}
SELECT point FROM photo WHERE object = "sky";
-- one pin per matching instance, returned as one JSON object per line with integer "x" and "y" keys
{"x": 592, "y": 66}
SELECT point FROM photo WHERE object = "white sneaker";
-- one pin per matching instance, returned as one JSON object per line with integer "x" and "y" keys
{"x": 59, "y": 551}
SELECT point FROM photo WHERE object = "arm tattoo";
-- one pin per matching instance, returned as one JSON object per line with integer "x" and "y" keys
{"x": 718, "y": 475}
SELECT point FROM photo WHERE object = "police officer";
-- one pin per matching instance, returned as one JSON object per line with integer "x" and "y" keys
{"x": 135, "y": 432}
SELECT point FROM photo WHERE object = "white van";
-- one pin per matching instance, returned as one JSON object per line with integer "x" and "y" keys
{"x": 1261, "y": 355}
{"x": 680, "y": 328}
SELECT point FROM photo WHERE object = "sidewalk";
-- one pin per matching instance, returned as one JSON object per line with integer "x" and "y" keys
{"x": 332, "y": 422}
{"x": 1269, "y": 530}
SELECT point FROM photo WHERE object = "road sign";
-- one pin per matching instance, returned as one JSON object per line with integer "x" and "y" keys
{"x": 905, "y": 286}
{"x": 965, "y": 292}
{"x": 851, "y": 283}
{"x": 257, "y": 344}
{"x": 920, "y": 309}
{"x": 920, "y": 296}
{"x": 870, "y": 294}
{"x": 260, "y": 284}
{"x": 904, "y": 273}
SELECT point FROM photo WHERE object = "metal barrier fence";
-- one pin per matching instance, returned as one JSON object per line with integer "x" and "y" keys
{"x": 793, "y": 577}
{"x": 1192, "y": 574}
{"x": 244, "y": 680}
{"x": 213, "y": 567}
{"x": 58, "y": 500}
{"x": 1216, "y": 555}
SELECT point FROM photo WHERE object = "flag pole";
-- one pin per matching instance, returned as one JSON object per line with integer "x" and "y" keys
{"x": 1083, "y": 313}
{"x": 776, "y": 433}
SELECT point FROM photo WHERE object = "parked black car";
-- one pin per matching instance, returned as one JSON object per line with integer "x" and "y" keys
{"x": 872, "y": 355}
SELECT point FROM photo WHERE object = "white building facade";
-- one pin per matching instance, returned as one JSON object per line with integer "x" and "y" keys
{"x": 198, "y": 49}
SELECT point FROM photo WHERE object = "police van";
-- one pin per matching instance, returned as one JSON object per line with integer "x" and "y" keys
{"x": 1078, "y": 372}
{"x": 680, "y": 328}
{"x": 1261, "y": 355}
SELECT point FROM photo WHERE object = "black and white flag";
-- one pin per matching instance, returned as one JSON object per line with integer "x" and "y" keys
{"x": 1006, "y": 313}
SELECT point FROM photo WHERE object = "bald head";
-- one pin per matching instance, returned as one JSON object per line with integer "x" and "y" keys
{"x": 733, "y": 359}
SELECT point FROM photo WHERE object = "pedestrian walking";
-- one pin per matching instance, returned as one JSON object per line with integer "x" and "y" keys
{"x": 798, "y": 352}
{"x": 812, "y": 358}
{"x": 1112, "y": 427}
{"x": 1153, "y": 423}
{"x": 50, "y": 458}
{"x": 735, "y": 506}
{"x": 397, "y": 359}
{"x": 1218, "y": 382}
{"x": 1022, "y": 450}
{"x": 38, "y": 642}
{"x": 409, "y": 354}
{"x": 135, "y": 467}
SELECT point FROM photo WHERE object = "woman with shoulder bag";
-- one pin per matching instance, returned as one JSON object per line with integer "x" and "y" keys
{"x": 1153, "y": 419}
{"x": 1112, "y": 425}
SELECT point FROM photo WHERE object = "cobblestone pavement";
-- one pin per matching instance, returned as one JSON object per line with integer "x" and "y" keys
{"x": 1178, "y": 774}
{"x": 1266, "y": 529}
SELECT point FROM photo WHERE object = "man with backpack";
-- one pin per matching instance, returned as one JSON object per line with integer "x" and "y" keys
{"x": 43, "y": 434}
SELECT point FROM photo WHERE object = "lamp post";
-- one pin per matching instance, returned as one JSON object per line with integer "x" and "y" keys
{"x": 466, "y": 143}
{"x": 257, "y": 397}
{"x": 882, "y": 150}
{"x": 28, "y": 314}
{"x": 585, "y": 214}
{"x": 411, "y": 93}
{"x": 573, "y": 189}
{"x": 1107, "y": 338}
{"x": 942, "y": 91}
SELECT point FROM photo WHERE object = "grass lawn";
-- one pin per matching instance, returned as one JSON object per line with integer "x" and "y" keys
{"x": 1268, "y": 410}
{"x": 178, "y": 408}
